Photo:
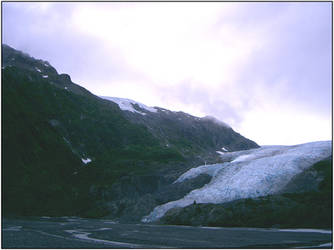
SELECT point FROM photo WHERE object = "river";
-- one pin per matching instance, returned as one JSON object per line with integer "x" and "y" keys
{"x": 74, "y": 232}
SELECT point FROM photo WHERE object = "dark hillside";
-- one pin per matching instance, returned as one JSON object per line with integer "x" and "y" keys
{"x": 67, "y": 151}
{"x": 46, "y": 131}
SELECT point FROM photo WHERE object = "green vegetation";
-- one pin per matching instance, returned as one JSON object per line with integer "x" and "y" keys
{"x": 46, "y": 130}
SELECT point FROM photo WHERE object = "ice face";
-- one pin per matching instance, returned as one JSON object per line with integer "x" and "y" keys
{"x": 248, "y": 174}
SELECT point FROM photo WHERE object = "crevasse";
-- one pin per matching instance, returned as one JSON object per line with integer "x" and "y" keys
{"x": 248, "y": 174}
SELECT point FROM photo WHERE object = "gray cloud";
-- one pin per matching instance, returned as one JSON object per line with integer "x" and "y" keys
{"x": 50, "y": 35}
{"x": 239, "y": 62}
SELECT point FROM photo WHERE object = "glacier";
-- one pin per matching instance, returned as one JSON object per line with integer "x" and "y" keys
{"x": 248, "y": 174}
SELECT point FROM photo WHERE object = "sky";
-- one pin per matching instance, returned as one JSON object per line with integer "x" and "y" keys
{"x": 264, "y": 68}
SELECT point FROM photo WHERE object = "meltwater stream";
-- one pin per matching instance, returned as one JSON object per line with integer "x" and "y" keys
{"x": 75, "y": 232}
{"x": 248, "y": 174}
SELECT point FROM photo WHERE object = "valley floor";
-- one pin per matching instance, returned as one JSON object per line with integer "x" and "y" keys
{"x": 74, "y": 232}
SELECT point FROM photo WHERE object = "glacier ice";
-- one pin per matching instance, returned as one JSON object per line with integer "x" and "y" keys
{"x": 194, "y": 172}
{"x": 248, "y": 174}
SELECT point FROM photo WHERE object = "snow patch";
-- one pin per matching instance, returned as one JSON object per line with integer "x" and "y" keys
{"x": 220, "y": 152}
{"x": 164, "y": 110}
{"x": 86, "y": 161}
{"x": 65, "y": 88}
{"x": 224, "y": 149}
{"x": 252, "y": 173}
{"x": 37, "y": 69}
{"x": 67, "y": 141}
{"x": 127, "y": 104}
{"x": 45, "y": 76}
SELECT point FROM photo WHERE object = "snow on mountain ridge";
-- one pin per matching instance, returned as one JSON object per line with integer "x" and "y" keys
{"x": 249, "y": 174}
{"x": 127, "y": 104}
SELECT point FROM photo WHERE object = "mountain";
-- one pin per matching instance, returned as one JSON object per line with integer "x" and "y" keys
{"x": 66, "y": 151}
{"x": 69, "y": 152}
{"x": 190, "y": 134}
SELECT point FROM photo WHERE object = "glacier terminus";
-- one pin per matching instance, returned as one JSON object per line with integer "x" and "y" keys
{"x": 248, "y": 174}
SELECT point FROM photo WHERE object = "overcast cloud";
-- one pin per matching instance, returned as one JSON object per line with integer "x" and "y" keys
{"x": 263, "y": 68}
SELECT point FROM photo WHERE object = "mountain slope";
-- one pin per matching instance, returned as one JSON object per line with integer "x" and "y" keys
{"x": 66, "y": 150}
{"x": 199, "y": 137}
{"x": 48, "y": 130}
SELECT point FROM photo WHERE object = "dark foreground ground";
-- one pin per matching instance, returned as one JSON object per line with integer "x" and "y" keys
{"x": 73, "y": 232}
